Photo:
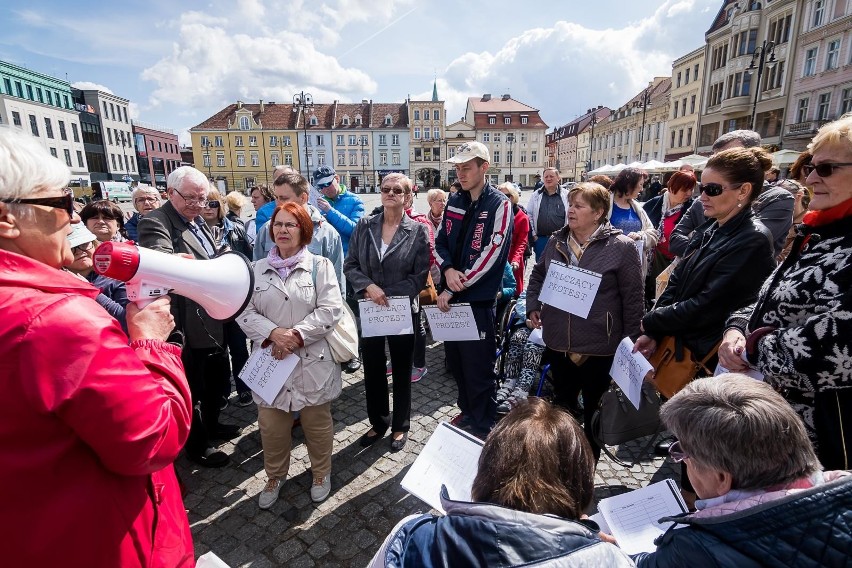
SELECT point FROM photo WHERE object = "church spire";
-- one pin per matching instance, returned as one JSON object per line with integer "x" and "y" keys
{"x": 435, "y": 91}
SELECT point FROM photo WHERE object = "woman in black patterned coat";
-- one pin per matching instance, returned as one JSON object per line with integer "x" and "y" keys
{"x": 799, "y": 332}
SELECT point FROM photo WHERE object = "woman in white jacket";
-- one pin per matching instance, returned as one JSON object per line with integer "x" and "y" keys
{"x": 295, "y": 305}
{"x": 627, "y": 214}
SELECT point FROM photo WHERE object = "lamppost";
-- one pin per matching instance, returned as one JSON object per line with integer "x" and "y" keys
{"x": 592, "y": 139}
{"x": 646, "y": 100}
{"x": 304, "y": 102}
{"x": 510, "y": 138}
{"x": 363, "y": 163}
{"x": 759, "y": 55}
{"x": 205, "y": 143}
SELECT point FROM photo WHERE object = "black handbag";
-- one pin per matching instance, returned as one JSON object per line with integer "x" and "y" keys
{"x": 617, "y": 421}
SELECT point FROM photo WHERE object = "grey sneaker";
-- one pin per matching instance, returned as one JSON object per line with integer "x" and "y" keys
{"x": 515, "y": 398}
{"x": 321, "y": 488}
{"x": 269, "y": 495}
{"x": 504, "y": 391}
{"x": 418, "y": 373}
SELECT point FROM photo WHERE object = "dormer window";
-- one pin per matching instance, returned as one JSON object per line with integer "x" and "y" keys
{"x": 313, "y": 121}
{"x": 345, "y": 120}
{"x": 358, "y": 119}
{"x": 244, "y": 123}
{"x": 388, "y": 120}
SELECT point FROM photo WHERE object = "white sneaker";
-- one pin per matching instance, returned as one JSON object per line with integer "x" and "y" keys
{"x": 269, "y": 495}
{"x": 321, "y": 488}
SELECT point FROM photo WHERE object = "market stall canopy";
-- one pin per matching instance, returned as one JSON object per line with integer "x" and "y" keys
{"x": 654, "y": 166}
{"x": 783, "y": 158}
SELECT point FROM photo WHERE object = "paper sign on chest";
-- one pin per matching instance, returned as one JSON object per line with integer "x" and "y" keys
{"x": 457, "y": 324}
{"x": 570, "y": 289}
{"x": 393, "y": 319}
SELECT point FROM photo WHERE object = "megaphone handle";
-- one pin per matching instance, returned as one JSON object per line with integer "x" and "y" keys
{"x": 134, "y": 293}
{"x": 142, "y": 302}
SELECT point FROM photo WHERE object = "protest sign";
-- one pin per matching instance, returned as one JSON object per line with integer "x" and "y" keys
{"x": 393, "y": 319}
{"x": 570, "y": 289}
{"x": 628, "y": 371}
{"x": 455, "y": 325}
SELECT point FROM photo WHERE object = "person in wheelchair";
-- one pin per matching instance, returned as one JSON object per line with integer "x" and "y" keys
{"x": 521, "y": 360}
{"x": 505, "y": 294}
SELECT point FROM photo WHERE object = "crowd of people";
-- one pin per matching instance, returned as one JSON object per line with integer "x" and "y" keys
{"x": 757, "y": 279}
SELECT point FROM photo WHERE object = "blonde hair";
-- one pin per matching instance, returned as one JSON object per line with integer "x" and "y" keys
{"x": 511, "y": 190}
{"x": 214, "y": 195}
{"x": 235, "y": 201}
{"x": 833, "y": 133}
{"x": 436, "y": 193}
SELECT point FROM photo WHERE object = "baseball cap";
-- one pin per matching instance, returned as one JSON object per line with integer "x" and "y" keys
{"x": 468, "y": 151}
{"x": 324, "y": 175}
{"x": 80, "y": 235}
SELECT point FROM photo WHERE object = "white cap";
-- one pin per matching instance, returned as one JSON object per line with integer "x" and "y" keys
{"x": 468, "y": 151}
{"x": 80, "y": 235}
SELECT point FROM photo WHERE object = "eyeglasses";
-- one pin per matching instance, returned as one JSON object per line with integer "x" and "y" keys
{"x": 825, "y": 169}
{"x": 397, "y": 190}
{"x": 676, "y": 452}
{"x": 212, "y": 204}
{"x": 289, "y": 225}
{"x": 324, "y": 185}
{"x": 191, "y": 202}
{"x": 65, "y": 202}
{"x": 146, "y": 199}
{"x": 716, "y": 189}
{"x": 86, "y": 247}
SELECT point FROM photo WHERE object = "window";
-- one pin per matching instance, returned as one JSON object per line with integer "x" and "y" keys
{"x": 314, "y": 121}
{"x": 818, "y": 13}
{"x": 320, "y": 140}
{"x": 395, "y": 159}
{"x": 220, "y": 159}
{"x": 388, "y": 120}
{"x": 416, "y": 115}
{"x": 112, "y": 111}
{"x": 160, "y": 142}
{"x": 39, "y": 95}
{"x": 238, "y": 141}
{"x": 525, "y": 119}
{"x": 779, "y": 29}
{"x": 320, "y": 159}
{"x": 498, "y": 137}
{"x": 275, "y": 158}
{"x": 810, "y": 62}
{"x": 675, "y": 109}
{"x": 774, "y": 77}
{"x": 67, "y": 157}
{"x": 534, "y": 156}
{"x": 436, "y": 133}
{"x": 507, "y": 120}
{"x": 255, "y": 160}
{"x": 427, "y": 134}
{"x": 53, "y": 153}
{"x": 822, "y": 106}
{"x": 680, "y": 137}
{"x": 288, "y": 158}
{"x": 205, "y": 141}
{"x": 365, "y": 159}
{"x": 832, "y": 59}
{"x": 19, "y": 89}
{"x": 353, "y": 140}
{"x": 671, "y": 145}
{"x": 244, "y": 123}
{"x": 64, "y": 100}
{"x": 48, "y": 128}
{"x": 16, "y": 118}
{"x": 523, "y": 137}
{"x": 436, "y": 114}
{"x": 383, "y": 158}
{"x": 241, "y": 160}
{"x": 492, "y": 120}
{"x": 285, "y": 141}
{"x": 486, "y": 137}
{"x": 802, "y": 110}
{"x": 340, "y": 140}
{"x": 678, "y": 78}
{"x": 273, "y": 140}
{"x": 33, "y": 125}
{"x": 846, "y": 101}
{"x": 124, "y": 111}
{"x": 365, "y": 141}
{"x": 417, "y": 133}
{"x": 692, "y": 105}
{"x": 383, "y": 140}
{"x": 341, "y": 158}
{"x": 714, "y": 94}
{"x": 7, "y": 85}
{"x": 80, "y": 163}
{"x": 689, "y": 136}
{"x": 395, "y": 139}
{"x": 126, "y": 163}
{"x": 523, "y": 157}
{"x": 112, "y": 159}
{"x": 75, "y": 132}
{"x": 30, "y": 92}
{"x": 358, "y": 119}
{"x": 719, "y": 57}
{"x": 206, "y": 160}
{"x": 496, "y": 156}
{"x": 252, "y": 140}
{"x": 685, "y": 77}
{"x": 353, "y": 159}
{"x": 345, "y": 120}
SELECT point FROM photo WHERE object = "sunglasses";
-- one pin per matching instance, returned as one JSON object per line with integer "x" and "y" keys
{"x": 825, "y": 169}
{"x": 83, "y": 248}
{"x": 676, "y": 452}
{"x": 65, "y": 202}
{"x": 212, "y": 204}
{"x": 324, "y": 185}
{"x": 397, "y": 190}
{"x": 716, "y": 189}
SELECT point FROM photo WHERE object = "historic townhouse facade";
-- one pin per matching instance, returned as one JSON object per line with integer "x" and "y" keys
{"x": 426, "y": 120}
{"x": 585, "y": 127}
{"x": 682, "y": 132}
{"x": 457, "y": 134}
{"x": 821, "y": 86}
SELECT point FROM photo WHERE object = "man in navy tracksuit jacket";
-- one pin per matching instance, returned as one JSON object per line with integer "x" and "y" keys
{"x": 471, "y": 248}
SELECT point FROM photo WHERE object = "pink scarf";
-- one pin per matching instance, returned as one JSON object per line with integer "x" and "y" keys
{"x": 284, "y": 266}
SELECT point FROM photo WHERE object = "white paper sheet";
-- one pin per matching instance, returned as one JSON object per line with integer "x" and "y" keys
{"x": 393, "y": 319}
{"x": 640, "y": 247}
{"x": 632, "y": 517}
{"x": 457, "y": 324}
{"x": 535, "y": 337}
{"x": 450, "y": 457}
{"x": 266, "y": 375}
{"x": 750, "y": 372}
{"x": 570, "y": 289}
{"x": 628, "y": 371}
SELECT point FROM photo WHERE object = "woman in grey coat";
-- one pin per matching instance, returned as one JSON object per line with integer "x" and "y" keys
{"x": 388, "y": 256}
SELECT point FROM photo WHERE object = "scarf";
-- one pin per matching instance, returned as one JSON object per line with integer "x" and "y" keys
{"x": 826, "y": 216}
{"x": 436, "y": 221}
{"x": 284, "y": 266}
{"x": 668, "y": 212}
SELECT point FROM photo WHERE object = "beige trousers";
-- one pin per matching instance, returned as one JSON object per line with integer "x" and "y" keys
{"x": 275, "y": 435}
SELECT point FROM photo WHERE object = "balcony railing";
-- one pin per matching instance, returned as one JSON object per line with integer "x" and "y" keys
{"x": 804, "y": 129}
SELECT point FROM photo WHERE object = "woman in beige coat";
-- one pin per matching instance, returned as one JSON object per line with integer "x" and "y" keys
{"x": 296, "y": 304}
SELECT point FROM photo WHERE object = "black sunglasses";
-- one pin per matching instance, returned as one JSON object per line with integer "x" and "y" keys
{"x": 396, "y": 189}
{"x": 716, "y": 189}
{"x": 825, "y": 169}
{"x": 65, "y": 202}
{"x": 212, "y": 204}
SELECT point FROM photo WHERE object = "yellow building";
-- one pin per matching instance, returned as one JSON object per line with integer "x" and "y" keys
{"x": 239, "y": 146}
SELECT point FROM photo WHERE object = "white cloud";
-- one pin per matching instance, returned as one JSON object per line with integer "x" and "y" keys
{"x": 89, "y": 86}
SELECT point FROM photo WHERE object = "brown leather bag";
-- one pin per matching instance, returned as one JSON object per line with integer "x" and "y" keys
{"x": 428, "y": 295}
{"x": 675, "y": 366}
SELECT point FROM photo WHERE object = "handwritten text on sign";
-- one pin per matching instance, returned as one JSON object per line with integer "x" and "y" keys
{"x": 393, "y": 319}
{"x": 628, "y": 371}
{"x": 570, "y": 289}
{"x": 266, "y": 375}
{"x": 455, "y": 325}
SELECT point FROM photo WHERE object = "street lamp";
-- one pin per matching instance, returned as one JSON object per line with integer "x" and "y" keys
{"x": 363, "y": 163}
{"x": 759, "y": 55}
{"x": 646, "y": 100}
{"x": 205, "y": 143}
{"x": 304, "y": 102}
{"x": 510, "y": 138}
{"x": 592, "y": 139}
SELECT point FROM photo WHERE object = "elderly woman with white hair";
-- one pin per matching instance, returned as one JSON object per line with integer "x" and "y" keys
{"x": 437, "y": 201}
{"x": 764, "y": 499}
{"x": 145, "y": 199}
{"x": 89, "y": 424}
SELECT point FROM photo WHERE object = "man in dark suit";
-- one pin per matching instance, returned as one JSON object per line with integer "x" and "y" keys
{"x": 177, "y": 228}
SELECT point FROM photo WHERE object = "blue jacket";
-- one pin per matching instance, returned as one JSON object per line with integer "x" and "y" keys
{"x": 130, "y": 226}
{"x": 474, "y": 239}
{"x": 113, "y": 296}
{"x": 482, "y": 534}
{"x": 810, "y": 528}
{"x": 509, "y": 283}
{"x": 264, "y": 213}
{"x": 347, "y": 210}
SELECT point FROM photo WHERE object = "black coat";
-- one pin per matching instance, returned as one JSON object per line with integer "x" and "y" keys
{"x": 722, "y": 271}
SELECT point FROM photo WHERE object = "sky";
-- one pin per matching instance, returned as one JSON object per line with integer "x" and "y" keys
{"x": 181, "y": 62}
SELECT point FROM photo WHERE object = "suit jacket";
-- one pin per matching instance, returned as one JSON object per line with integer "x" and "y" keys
{"x": 164, "y": 230}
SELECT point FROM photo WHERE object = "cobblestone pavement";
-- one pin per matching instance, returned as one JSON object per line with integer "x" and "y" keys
{"x": 366, "y": 499}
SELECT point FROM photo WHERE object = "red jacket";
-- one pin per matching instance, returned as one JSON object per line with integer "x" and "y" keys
{"x": 520, "y": 237}
{"x": 89, "y": 428}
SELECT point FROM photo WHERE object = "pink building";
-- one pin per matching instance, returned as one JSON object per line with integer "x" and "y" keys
{"x": 157, "y": 153}
{"x": 821, "y": 89}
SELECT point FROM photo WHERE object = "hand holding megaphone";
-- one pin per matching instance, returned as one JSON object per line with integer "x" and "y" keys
{"x": 222, "y": 285}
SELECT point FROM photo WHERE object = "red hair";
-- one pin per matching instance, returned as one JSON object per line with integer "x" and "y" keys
{"x": 681, "y": 181}
{"x": 302, "y": 218}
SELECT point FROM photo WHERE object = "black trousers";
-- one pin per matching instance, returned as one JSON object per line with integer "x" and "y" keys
{"x": 472, "y": 366}
{"x": 376, "y": 383}
{"x": 419, "y": 321}
{"x": 569, "y": 380}
{"x": 236, "y": 340}
{"x": 206, "y": 372}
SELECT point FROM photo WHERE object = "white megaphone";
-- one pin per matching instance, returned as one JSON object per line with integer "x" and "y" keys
{"x": 222, "y": 285}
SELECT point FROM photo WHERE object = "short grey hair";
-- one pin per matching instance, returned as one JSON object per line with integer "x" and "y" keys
{"x": 748, "y": 138}
{"x": 181, "y": 174}
{"x": 27, "y": 167}
{"x": 143, "y": 189}
{"x": 736, "y": 424}
{"x": 403, "y": 180}
{"x": 436, "y": 193}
